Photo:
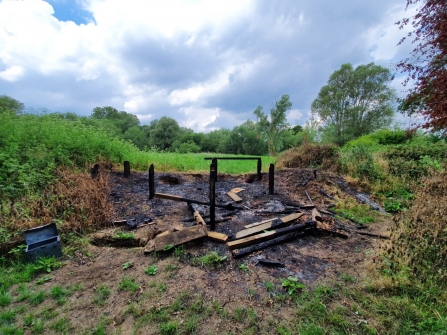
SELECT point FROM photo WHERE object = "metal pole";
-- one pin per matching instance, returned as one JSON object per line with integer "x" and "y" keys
{"x": 126, "y": 169}
{"x": 151, "y": 182}
{"x": 272, "y": 179}
{"x": 213, "y": 196}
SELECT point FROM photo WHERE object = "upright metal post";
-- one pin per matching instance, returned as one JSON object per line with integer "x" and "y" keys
{"x": 126, "y": 169}
{"x": 213, "y": 196}
{"x": 272, "y": 179}
{"x": 214, "y": 161}
{"x": 259, "y": 169}
{"x": 151, "y": 182}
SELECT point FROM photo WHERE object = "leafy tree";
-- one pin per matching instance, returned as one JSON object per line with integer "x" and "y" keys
{"x": 215, "y": 141}
{"x": 9, "y": 104}
{"x": 137, "y": 136}
{"x": 354, "y": 102}
{"x": 427, "y": 65}
{"x": 272, "y": 127}
{"x": 122, "y": 120}
{"x": 164, "y": 133}
{"x": 245, "y": 140}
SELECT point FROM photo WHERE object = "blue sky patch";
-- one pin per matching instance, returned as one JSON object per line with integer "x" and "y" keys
{"x": 71, "y": 10}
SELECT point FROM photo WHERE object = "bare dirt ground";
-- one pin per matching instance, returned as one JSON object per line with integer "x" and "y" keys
{"x": 314, "y": 259}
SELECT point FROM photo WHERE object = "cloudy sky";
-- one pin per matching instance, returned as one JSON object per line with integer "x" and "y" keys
{"x": 206, "y": 63}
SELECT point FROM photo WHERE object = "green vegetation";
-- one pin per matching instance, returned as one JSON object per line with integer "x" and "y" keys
{"x": 124, "y": 236}
{"x": 152, "y": 270}
{"x": 291, "y": 285}
{"x": 210, "y": 260}
{"x": 102, "y": 293}
{"x": 128, "y": 284}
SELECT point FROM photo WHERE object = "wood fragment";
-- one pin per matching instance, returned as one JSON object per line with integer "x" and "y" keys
{"x": 268, "y": 225}
{"x": 178, "y": 227}
{"x": 316, "y": 216}
{"x": 218, "y": 237}
{"x": 243, "y": 242}
{"x": 150, "y": 246}
{"x": 325, "y": 227}
{"x": 178, "y": 198}
{"x": 271, "y": 262}
{"x": 120, "y": 222}
{"x": 235, "y": 197}
{"x": 164, "y": 233}
{"x": 237, "y": 190}
{"x": 373, "y": 235}
{"x": 325, "y": 194}
{"x": 258, "y": 223}
{"x": 245, "y": 251}
{"x": 308, "y": 197}
{"x": 179, "y": 237}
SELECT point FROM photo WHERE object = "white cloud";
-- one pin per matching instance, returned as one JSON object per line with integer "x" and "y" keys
{"x": 12, "y": 73}
{"x": 198, "y": 118}
{"x": 293, "y": 116}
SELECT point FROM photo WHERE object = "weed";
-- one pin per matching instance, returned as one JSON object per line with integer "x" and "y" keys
{"x": 210, "y": 260}
{"x": 46, "y": 264}
{"x": 37, "y": 298}
{"x": 28, "y": 320}
{"x": 10, "y": 330}
{"x": 102, "y": 293}
{"x": 124, "y": 236}
{"x": 60, "y": 294}
{"x": 128, "y": 284}
{"x": 243, "y": 267}
{"x": 191, "y": 324}
{"x": 38, "y": 327}
{"x": 179, "y": 252}
{"x": 43, "y": 280}
{"x": 291, "y": 284}
{"x": 168, "y": 328}
{"x": 152, "y": 270}
{"x": 347, "y": 278}
{"x": 240, "y": 314}
{"x": 269, "y": 286}
{"x": 5, "y": 298}
{"x": 127, "y": 265}
{"x": 62, "y": 326}
{"x": 7, "y": 317}
{"x": 168, "y": 247}
{"x": 162, "y": 287}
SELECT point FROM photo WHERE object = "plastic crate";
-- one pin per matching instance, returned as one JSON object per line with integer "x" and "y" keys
{"x": 42, "y": 241}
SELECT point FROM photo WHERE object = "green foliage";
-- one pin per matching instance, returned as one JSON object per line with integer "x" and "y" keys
{"x": 46, "y": 264}
{"x": 210, "y": 260}
{"x": 169, "y": 328}
{"x": 355, "y": 102}
{"x": 127, "y": 265}
{"x": 243, "y": 267}
{"x": 164, "y": 133}
{"x": 5, "y": 298}
{"x": 128, "y": 284}
{"x": 291, "y": 285}
{"x": 152, "y": 270}
{"x": 124, "y": 236}
{"x": 272, "y": 127}
{"x": 102, "y": 293}
{"x": 8, "y": 104}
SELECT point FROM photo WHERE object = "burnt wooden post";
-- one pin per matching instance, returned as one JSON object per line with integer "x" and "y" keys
{"x": 214, "y": 161}
{"x": 94, "y": 171}
{"x": 126, "y": 169}
{"x": 272, "y": 179}
{"x": 259, "y": 169}
{"x": 151, "y": 182}
{"x": 213, "y": 196}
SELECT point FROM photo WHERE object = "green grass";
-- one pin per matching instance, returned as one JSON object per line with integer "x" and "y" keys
{"x": 128, "y": 284}
{"x": 102, "y": 293}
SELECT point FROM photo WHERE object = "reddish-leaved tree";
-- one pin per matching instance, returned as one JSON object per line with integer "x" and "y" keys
{"x": 427, "y": 66}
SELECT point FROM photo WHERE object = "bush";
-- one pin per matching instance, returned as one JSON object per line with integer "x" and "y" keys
{"x": 419, "y": 238}
{"x": 323, "y": 156}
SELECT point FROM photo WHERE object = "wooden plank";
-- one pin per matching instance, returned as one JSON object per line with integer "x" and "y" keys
{"x": 234, "y": 196}
{"x": 179, "y": 237}
{"x": 257, "y": 229}
{"x": 198, "y": 218}
{"x": 179, "y": 227}
{"x": 268, "y": 225}
{"x": 150, "y": 246}
{"x": 237, "y": 190}
{"x": 243, "y": 242}
{"x": 291, "y": 217}
{"x": 250, "y": 240}
{"x": 168, "y": 197}
{"x": 245, "y": 251}
{"x": 218, "y": 237}
{"x": 258, "y": 223}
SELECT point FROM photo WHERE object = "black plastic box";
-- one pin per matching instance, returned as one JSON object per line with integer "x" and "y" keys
{"x": 42, "y": 241}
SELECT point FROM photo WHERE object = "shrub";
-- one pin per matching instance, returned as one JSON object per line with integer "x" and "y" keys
{"x": 310, "y": 155}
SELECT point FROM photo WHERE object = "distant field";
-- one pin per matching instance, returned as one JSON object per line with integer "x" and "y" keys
{"x": 193, "y": 162}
